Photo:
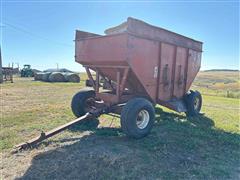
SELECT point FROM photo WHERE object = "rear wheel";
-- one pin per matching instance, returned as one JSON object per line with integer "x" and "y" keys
{"x": 137, "y": 118}
{"x": 81, "y": 102}
{"x": 194, "y": 103}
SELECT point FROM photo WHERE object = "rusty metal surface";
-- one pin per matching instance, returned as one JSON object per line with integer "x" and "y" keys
{"x": 193, "y": 67}
{"x": 82, "y": 35}
{"x": 140, "y": 28}
{"x": 167, "y": 59}
{"x": 179, "y": 79}
{"x": 106, "y": 50}
{"x": 162, "y": 64}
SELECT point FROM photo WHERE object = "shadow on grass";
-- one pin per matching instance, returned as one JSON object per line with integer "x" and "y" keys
{"x": 177, "y": 148}
{"x": 199, "y": 121}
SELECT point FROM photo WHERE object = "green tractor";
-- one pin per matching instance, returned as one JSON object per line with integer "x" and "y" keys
{"x": 27, "y": 71}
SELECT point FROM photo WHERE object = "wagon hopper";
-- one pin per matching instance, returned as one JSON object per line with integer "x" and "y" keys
{"x": 142, "y": 64}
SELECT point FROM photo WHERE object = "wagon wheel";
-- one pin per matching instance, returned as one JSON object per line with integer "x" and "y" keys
{"x": 137, "y": 118}
{"x": 82, "y": 102}
{"x": 194, "y": 103}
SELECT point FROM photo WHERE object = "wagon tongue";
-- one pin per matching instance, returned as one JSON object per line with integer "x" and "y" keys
{"x": 44, "y": 135}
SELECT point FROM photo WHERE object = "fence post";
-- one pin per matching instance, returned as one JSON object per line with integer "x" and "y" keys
{"x": 1, "y": 71}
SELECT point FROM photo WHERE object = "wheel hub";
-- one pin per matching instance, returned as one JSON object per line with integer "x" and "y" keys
{"x": 196, "y": 103}
{"x": 142, "y": 119}
{"x": 89, "y": 103}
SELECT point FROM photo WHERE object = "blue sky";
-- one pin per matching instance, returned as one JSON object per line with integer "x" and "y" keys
{"x": 42, "y": 33}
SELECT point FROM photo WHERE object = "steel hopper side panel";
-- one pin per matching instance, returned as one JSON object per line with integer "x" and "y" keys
{"x": 143, "y": 59}
{"x": 166, "y": 71}
{"x": 109, "y": 50}
{"x": 143, "y": 29}
{"x": 194, "y": 64}
{"x": 179, "y": 79}
{"x": 142, "y": 55}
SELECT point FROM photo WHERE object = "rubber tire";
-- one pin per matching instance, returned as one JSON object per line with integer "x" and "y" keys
{"x": 78, "y": 102}
{"x": 129, "y": 115}
{"x": 189, "y": 99}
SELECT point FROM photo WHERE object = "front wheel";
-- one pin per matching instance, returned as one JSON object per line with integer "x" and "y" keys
{"x": 137, "y": 118}
{"x": 81, "y": 102}
{"x": 193, "y": 102}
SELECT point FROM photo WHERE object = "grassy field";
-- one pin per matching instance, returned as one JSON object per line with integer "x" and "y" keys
{"x": 206, "y": 147}
{"x": 218, "y": 83}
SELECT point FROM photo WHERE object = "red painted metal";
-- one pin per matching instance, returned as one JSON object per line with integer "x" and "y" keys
{"x": 143, "y": 60}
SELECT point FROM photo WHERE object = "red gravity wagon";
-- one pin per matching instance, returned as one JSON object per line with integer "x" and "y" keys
{"x": 143, "y": 65}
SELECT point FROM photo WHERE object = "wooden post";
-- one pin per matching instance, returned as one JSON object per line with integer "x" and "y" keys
{"x": 1, "y": 71}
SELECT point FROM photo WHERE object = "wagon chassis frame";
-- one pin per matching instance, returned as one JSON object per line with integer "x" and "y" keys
{"x": 117, "y": 94}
